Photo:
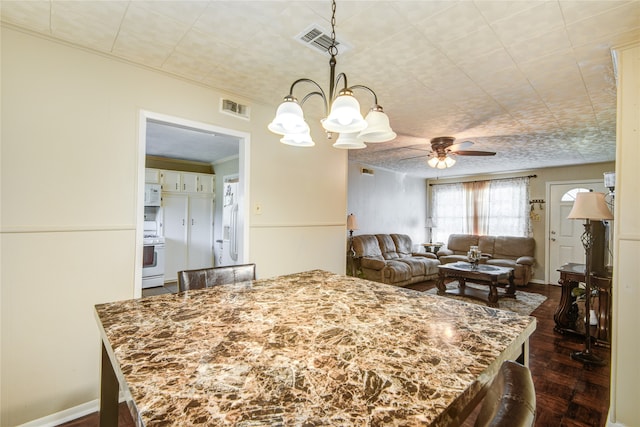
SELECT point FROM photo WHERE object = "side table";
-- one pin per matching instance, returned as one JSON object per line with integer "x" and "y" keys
{"x": 567, "y": 313}
{"x": 432, "y": 247}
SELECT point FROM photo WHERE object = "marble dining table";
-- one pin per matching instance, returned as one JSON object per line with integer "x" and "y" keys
{"x": 306, "y": 349}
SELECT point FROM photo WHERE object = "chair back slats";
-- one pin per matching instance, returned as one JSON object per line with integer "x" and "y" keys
{"x": 215, "y": 276}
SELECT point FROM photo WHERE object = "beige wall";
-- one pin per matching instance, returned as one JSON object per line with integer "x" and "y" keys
{"x": 537, "y": 190}
{"x": 625, "y": 374}
{"x": 70, "y": 189}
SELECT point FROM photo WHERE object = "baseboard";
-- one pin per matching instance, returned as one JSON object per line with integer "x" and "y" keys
{"x": 66, "y": 415}
{"x": 538, "y": 282}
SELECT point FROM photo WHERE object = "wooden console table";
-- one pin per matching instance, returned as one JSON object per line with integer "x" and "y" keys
{"x": 567, "y": 313}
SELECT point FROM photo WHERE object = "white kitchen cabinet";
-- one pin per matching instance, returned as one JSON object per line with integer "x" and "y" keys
{"x": 171, "y": 181}
{"x": 188, "y": 232}
{"x": 187, "y": 182}
{"x": 152, "y": 176}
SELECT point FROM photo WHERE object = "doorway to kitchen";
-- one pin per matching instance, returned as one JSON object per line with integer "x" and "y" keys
{"x": 182, "y": 140}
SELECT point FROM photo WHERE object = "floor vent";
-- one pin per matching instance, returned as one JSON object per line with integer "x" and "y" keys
{"x": 319, "y": 39}
{"x": 234, "y": 108}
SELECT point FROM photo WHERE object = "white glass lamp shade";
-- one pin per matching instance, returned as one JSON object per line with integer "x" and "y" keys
{"x": 298, "y": 139}
{"x": 441, "y": 163}
{"x": 590, "y": 205}
{"x": 449, "y": 162}
{"x": 433, "y": 162}
{"x": 378, "y": 129}
{"x": 289, "y": 119}
{"x": 349, "y": 141}
{"x": 345, "y": 115}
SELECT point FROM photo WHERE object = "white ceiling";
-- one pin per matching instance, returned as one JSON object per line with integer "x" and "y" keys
{"x": 532, "y": 80}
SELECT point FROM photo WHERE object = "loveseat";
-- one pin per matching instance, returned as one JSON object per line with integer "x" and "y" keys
{"x": 388, "y": 258}
{"x": 504, "y": 251}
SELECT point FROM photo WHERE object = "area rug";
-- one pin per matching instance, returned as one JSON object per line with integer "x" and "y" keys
{"x": 524, "y": 303}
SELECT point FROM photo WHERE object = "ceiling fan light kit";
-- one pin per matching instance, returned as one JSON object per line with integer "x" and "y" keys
{"x": 344, "y": 116}
{"x": 443, "y": 147}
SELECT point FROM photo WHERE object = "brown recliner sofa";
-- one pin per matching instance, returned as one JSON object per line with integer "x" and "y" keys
{"x": 388, "y": 258}
{"x": 505, "y": 251}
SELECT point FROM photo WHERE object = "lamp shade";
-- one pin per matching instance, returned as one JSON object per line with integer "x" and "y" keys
{"x": 352, "y": 222}
{"x": 298, "y": 140}
{"x": 590, "y": 205}
{"x": 378, "y": 128}
{"x": 345, "y": 115}
{"x": 349, "y": 141}
{"x": 289, "y": 119}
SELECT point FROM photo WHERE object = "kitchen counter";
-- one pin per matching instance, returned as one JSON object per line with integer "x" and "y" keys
{"x": 312, "y": 348}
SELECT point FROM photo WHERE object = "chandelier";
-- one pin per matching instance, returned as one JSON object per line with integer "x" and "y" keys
{"x": 343, "y": 118}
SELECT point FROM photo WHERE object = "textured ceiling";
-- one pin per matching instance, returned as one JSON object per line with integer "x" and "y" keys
{"x": 532, "y": 80}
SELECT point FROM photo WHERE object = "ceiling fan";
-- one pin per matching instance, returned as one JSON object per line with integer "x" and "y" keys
{"x": 443, "y": 147}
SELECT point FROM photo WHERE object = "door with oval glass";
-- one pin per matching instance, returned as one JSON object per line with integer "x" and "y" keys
{"x": 564, "y": 244}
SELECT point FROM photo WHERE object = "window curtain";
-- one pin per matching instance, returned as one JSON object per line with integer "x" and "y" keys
{"x": 477, "y": 202}
{"x": 498, "y": 208}
{"x": 509, "y": 208}
{"x": 448, "y": 211}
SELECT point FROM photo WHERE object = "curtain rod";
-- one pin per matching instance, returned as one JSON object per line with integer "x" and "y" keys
{"x": 485, "y": 180}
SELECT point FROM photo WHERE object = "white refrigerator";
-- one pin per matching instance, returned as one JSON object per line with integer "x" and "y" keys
{"x": 230, "y": 238}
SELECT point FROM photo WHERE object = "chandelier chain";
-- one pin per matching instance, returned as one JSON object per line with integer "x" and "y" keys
{"x": 333, "y": 49}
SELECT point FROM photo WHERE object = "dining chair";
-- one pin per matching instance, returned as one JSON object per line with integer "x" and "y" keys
{"x": 214, "y": 276}
{"x": 510, "y": 400}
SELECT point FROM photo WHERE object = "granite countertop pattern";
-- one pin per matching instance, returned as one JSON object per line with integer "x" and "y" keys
{"x": 307, "y": 349}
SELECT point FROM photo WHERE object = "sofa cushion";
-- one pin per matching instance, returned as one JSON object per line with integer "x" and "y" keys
{"x": 373, "y": 263}
{"x": 366, "y": 245}
{"x": 513, "y": 247}
{"x": 486, "y": 244}
{"x": 460, "y": 243}
{"x": 387, "y": 246}
{"x": 396, "y": 271}
{"x": 403, "y": 244}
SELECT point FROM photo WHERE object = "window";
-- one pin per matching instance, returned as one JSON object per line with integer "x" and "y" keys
{"x": 497, "y": 207}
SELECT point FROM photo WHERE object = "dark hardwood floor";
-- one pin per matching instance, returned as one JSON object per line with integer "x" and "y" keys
{"x": 567, "y": 394}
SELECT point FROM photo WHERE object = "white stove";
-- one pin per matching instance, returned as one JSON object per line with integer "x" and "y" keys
{"x": 152, "y": 257}
{"x": 151, "y": 239}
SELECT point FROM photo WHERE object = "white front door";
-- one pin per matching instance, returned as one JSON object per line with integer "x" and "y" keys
{"x": 564, "y": 244}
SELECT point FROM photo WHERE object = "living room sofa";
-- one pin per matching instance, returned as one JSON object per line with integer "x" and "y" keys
{"x": 388, "y": 258}
{"x": 505, "y": 251}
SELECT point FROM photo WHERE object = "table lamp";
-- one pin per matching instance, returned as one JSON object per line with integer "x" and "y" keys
{"x": 430, "y": 224}
{"x": 588, "y": 206}
{"x": 352, "y": 224}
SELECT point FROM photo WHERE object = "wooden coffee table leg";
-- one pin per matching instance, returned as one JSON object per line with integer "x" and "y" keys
{"x": 493, "y": 294}
{"x": 440, "y": 283}
{"x": 462, "y": 284}
{"x": 510, "y": 290}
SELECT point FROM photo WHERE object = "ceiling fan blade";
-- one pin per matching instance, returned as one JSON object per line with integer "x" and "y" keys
{"x": 474, "y": 153}
{"x": 413, "y": 157}
{"x": 460, "y": 146}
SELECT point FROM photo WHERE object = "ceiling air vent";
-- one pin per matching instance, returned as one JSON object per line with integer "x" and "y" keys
{"x": 365, "y": 171}
{"x": 234, "y": 108}
{"x": 319, "y": 39}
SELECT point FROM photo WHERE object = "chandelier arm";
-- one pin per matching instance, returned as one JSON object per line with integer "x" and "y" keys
{"x": 321, "y": 95}
{"x": 319, "y": 92}
{"x": 340, "y": 77}
{"x": 375, "y": 97}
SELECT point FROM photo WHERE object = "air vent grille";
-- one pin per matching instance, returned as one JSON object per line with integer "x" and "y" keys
{"x": 234, "y": 108}
{"x": 319, "y": 39}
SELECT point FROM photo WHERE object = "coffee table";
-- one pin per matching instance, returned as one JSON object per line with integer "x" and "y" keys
{"x": 481, "y": 274}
